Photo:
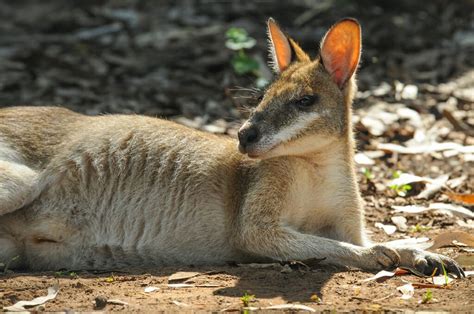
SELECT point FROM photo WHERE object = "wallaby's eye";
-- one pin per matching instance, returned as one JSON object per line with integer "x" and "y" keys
{"x": 306, "y": 101}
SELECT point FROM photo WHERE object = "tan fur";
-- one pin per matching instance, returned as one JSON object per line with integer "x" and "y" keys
{"x": 113, "y": 191}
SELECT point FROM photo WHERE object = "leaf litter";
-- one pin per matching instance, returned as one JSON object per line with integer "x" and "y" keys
{"x": 24, "y": 305}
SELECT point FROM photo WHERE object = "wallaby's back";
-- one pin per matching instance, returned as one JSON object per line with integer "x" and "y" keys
{"x": 31, "y": 135}
{"x": 120, "y": 183}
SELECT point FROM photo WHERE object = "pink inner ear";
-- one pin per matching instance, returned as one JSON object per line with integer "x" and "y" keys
{"x": 281, "y": 46}
{"x": 340, "y": 51}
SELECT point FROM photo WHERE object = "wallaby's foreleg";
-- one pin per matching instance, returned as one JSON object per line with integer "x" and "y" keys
{"x": 18, "y": 186}
{"x": 284, "y": 243}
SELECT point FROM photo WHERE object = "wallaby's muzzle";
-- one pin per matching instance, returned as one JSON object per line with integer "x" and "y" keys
{"x": 248, "y": 136}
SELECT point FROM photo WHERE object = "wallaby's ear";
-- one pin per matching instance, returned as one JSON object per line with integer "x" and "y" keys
{"x": 283, "y": 50}
{"x": 340, "y": 50}
{"x": 280, "y": 49}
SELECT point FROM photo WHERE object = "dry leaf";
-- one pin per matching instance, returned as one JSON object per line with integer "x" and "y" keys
{"x": 400, "y": 222}
{"x": 447, "y": 238}
{"x": 433, "y": 186}
{"x": 466, "y": 224}
{"x": 444, "y": 208}
{"x": 467, "y": 199}
{"x": 179, "y": 285}
{"x": 418, "y": 243}
{"x": 290, "y": 307}
{"x": 407, "y": 291}
{"x": 181, "y": 304}
{"x": 117, "y": 302}
{"x": 379, "y": 275}
{"x": 363, "y": 159}
{"x": 454, "y": 183}
{"x": 389, "y": 229}
{"x": 455, "y": 210}
{"x": 374, "y": 153}
{"x": 410, "y": 209}
{"x": 407, "y": 178}
{"x": 441, "y": 280}
{"x": 151, "y": 289}
{"x": 426, "y": 148}
{"x": 183, "y": 275}
{"x": 23, "y": 305}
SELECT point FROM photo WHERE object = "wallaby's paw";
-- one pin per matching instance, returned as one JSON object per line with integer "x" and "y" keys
{"x": 428, "y": 263}
{"x": 381, "y": 257}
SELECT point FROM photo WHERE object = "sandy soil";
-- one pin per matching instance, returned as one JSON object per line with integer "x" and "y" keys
{"x": 220, "y": 288}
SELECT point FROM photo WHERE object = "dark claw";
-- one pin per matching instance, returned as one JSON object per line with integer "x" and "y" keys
{"x": 434, "y": 263}
{"x": 453, "y": 268}
{"x": 450, "y": 266}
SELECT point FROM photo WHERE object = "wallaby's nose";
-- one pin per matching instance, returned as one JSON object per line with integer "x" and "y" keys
{"x": 247, "y": 136}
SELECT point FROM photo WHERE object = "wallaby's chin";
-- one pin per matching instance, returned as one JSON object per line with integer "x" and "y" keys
{"x": 303, "y": 146}
{"x": 257, "y": 151}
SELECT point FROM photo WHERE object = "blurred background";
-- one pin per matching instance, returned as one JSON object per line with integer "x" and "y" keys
{"x": 201, "y": 59}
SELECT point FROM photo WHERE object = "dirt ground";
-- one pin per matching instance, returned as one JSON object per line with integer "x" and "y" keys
{"x": 168, "y": 59}
{"x": 339, "y": 290}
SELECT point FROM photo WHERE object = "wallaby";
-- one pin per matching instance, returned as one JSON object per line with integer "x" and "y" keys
{"x": 82, "y": 192}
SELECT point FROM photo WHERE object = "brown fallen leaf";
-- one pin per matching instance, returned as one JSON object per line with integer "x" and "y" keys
{"x": 447, "y": 238}
{"x": 183, "y": 275}
{"x": 467, "y": 199}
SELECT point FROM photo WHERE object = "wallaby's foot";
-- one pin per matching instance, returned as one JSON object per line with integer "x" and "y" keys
{"x": 429, "y": 263}
{"x": 380, "y": 257}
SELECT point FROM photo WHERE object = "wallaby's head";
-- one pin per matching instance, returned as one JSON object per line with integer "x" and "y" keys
{"x": 307, "y": 107}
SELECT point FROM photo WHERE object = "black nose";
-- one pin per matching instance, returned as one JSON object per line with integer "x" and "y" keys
{"x": 248, "y": 136}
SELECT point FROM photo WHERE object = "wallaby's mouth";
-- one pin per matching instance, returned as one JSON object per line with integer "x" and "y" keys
{"x": 255, "y": 151}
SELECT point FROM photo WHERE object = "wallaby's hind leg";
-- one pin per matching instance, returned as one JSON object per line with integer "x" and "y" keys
{"x": 18, "y": 186}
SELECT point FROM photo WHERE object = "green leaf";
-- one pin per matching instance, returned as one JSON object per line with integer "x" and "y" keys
{"x": 401, "y": 189}
{"x": 238, "y": 38}
{"x": 244, "y": 64}
{"x": 427, "y": 297}
{"x": 247, "y": 298}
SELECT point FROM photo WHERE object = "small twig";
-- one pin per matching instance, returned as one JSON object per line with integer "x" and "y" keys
{"x": 458, "y": 125}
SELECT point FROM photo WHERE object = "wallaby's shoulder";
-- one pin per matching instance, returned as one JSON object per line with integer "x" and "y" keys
{"x": 24, "y": 113}
{"x": 33, "y": 121}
